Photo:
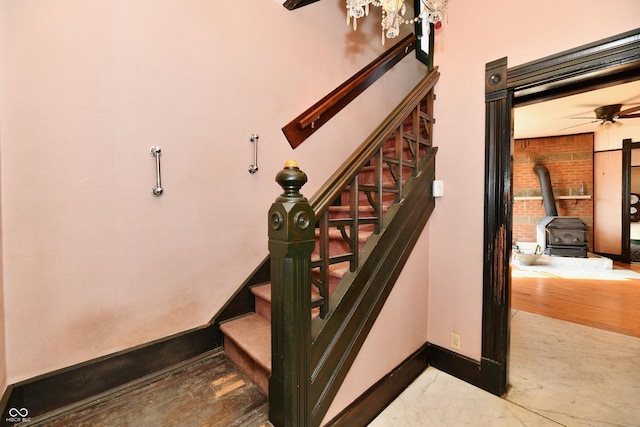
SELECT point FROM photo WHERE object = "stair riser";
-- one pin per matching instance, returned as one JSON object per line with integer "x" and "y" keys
{"x": 339, "y": 212}
{"x": 334, "y": 280}
{"x": 263, "y": 307}
{"x": 254, "y": 371}
{"x": 338, "y": 246}
{"x": 368, "y": 176}
{"x": 387, "y": 199}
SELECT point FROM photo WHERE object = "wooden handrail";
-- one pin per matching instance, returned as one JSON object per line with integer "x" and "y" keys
{"x": 303, "y": 126}
{"x": 323, "y": 198}
{"x": 294, "y": 4}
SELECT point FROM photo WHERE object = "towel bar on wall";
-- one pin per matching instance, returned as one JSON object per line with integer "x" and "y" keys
{"x": 253, "y": 138}
{"x": 157, "y": 190}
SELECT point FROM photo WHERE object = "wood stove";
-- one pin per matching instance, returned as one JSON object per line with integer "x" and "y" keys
{"x": 559, "y": 235}
{"x": 563, "y": 236}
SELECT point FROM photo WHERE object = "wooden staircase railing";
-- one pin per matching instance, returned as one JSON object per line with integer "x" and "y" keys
{"x": 407, "y": 129}
{"x": 312, "y": 119}
{"x": 310, "y": 359}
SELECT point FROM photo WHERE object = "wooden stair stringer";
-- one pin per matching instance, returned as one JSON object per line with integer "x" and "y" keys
{"x": 339, "y": 337}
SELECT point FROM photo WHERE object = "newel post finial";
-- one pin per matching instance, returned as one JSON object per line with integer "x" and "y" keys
{"x": 291, "y": 241}
{"x": 291, "y": 179}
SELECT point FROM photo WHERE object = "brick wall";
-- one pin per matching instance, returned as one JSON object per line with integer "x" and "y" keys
{"x": 570, "y": 163}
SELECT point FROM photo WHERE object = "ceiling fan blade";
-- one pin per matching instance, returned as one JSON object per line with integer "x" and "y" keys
{"x": 630, "y": 116}
{"x": 628, "y": 111}
{"x": 581, "y": 124}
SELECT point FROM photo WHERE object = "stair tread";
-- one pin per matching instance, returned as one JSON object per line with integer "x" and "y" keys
{"x": 361, "y": 208}
{"x": 252, "y": 333}
{"x": 334, "y": 233}
{"x": 262, "y": 291}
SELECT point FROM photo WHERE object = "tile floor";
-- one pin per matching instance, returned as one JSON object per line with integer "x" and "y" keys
{"x": 562, "y": 374}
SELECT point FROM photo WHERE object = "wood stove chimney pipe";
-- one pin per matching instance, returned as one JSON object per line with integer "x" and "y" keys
{"x": 546, "y": 189}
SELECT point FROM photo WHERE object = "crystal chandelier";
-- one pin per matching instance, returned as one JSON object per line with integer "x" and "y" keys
{"x": 393, "y": 13}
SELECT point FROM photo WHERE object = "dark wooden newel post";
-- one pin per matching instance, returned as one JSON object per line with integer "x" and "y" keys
{"x": 291, "y": 241}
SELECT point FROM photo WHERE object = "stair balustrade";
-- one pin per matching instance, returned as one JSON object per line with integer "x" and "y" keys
{"x": 352, "y": 204}
{"x": 382, "y": 192}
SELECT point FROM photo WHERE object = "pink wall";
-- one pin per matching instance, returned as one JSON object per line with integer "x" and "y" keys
{"x": 3, "y": 364}
{"x": 93, "y": 263}
{"x": 3, "y": 349}
{"x": 399, "y": 331}
{"x": 476, "y": 34}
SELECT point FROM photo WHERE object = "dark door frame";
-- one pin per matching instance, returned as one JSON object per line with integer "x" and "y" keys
{"x": 627, "y": 147}
{"x": 607, "y": 62}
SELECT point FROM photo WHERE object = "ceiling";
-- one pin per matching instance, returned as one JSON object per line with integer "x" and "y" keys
{"x": 551, "y": 118}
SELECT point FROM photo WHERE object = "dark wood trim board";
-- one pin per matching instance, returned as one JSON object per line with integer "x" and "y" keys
{"x": 372, "y": 402}
{"x": 55, "y": 390}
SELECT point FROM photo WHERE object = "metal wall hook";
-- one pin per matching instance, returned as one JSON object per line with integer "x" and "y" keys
{"x": 253, "y": 138}
{"x": 157, "y": 152}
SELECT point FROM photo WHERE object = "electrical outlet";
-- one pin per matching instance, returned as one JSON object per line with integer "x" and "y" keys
{"x": 455, "y": 340}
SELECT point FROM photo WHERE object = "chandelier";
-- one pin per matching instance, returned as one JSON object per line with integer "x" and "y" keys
{"x": 393, "y": 14}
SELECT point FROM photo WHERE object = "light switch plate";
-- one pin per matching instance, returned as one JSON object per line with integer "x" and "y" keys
{"x": 438, "y": 188}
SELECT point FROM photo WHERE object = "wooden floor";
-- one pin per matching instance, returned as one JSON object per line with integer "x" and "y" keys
{"x": 604, "y": 304}
{"x": 211, "y": 392}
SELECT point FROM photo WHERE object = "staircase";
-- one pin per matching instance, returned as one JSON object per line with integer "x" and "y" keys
{"x": 370, "y": 211}
{"x": 248, "y": 338}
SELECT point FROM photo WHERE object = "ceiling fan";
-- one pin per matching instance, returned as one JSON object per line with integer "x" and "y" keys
{"x": 608, "y": 114}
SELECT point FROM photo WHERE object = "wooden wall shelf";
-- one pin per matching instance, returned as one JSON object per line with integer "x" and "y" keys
{"x": 585, "y": 197}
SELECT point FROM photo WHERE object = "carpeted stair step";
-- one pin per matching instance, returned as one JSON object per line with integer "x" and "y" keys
{"x": 336, "y": 273}
{"x": 337, "y": 245}
{"x": 248, "y": 345}
{"x": 338, "y": 212}
{"x": 262, "y": 293}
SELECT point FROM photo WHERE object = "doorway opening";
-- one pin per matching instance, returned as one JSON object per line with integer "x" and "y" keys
{"x": 555, "y": 282}
{"x": 605, "y": 63}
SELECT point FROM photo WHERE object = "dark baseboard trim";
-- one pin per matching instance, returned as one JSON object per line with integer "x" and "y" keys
{"x": 4, "y": 405}
{"x": 73, "y": 385}
{"x": 52, "y": 391}
{"x": 381, "y": 394}
{"x": 455, "y": 364}
{"x": 370, "y": 404}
